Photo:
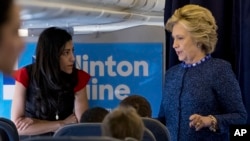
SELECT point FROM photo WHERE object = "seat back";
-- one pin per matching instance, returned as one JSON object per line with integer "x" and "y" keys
{"x": 148, "y": 135}
{"x": 159, "y": 130}
{"x": 8, "y": 130}
{"x": 90, "y": 138}
{"x": 80, "y": 129}
{"x": 8, "y": 121}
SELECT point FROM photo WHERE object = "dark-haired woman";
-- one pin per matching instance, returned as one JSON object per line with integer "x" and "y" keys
{"x": 11, "y": 43}
{"x": 50, "y": 92}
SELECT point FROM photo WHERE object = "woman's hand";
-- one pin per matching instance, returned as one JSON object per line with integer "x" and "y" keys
{"x": 23, "y": 123}
{"x": 70, "y": 119}
{"x": 198, "y": 121}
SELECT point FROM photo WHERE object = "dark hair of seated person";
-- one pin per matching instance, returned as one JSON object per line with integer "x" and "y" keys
{"x": 94, "y": 114}
{"x": 140, "y": 103}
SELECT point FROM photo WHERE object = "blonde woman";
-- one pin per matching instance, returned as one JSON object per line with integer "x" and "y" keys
{"x": 202, "y": 96}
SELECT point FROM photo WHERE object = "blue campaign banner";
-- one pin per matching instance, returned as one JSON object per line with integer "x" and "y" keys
{"x": 117, "y": 70}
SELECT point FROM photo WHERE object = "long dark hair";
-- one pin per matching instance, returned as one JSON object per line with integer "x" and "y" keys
{"x": 47, "y": 80}
{"x": 5, "y": 7}
{"x": 50, "y": 46}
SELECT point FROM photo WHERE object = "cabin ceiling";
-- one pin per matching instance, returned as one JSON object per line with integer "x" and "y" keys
{"x": 88, "y": 16}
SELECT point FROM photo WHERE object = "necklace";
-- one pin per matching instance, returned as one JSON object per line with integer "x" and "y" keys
{"x": 57, "y": 110}
{"x": 57, "y": 116}
{"x": 207, "y": 57}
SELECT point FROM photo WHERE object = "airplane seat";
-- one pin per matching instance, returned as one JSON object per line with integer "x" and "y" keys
{"x": 148, "y": 135}
{"x": 159, "y": 130}
{"x": 80, "y": 129}
{"x": 68, "y": 138}
{"x": 8, "y": 130}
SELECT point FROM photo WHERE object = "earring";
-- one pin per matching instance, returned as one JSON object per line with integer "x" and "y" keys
{"x": 199, "y": 45}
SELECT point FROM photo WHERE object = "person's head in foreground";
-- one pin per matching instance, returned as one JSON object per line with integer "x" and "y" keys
{"x": 123, "y": 122}
{"x": 11, "y": 44}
